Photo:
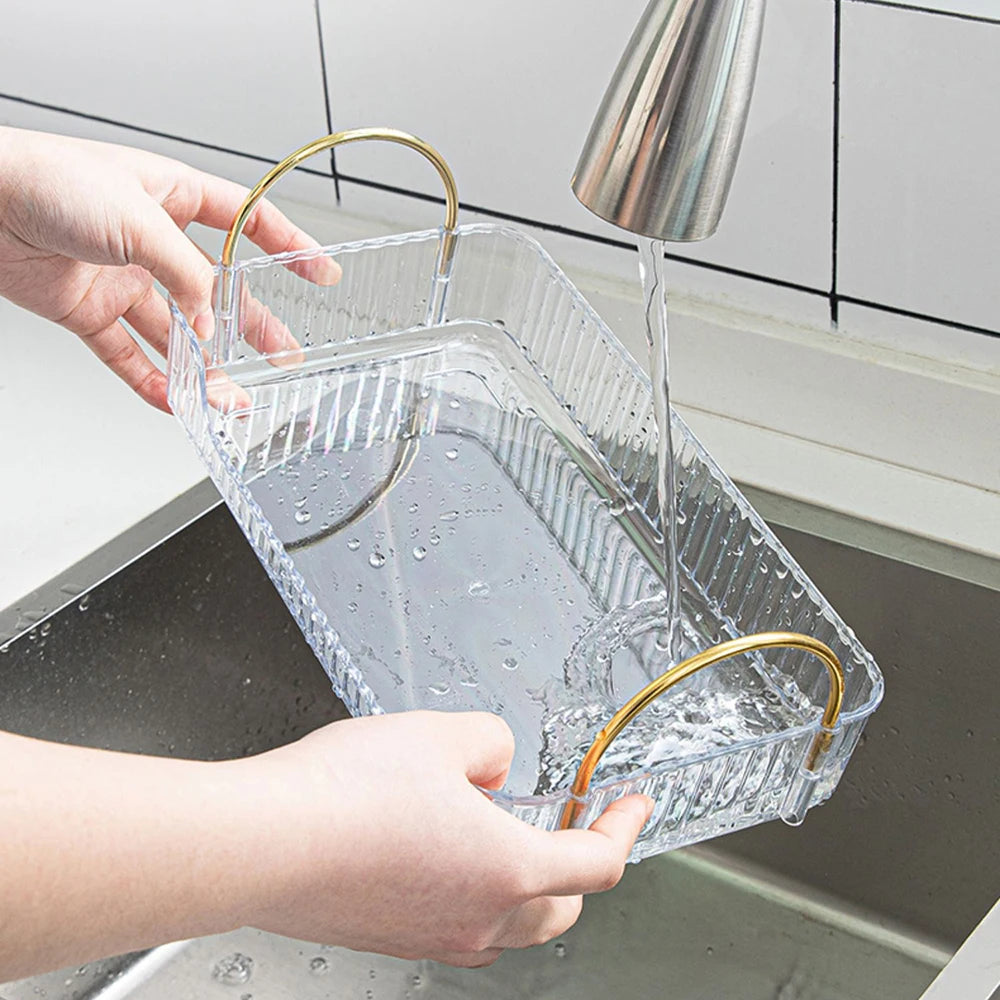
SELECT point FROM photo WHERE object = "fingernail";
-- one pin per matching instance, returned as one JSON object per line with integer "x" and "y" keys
{"x": 204, "y": 325}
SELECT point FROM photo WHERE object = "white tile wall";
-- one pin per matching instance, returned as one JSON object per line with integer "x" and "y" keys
{"x": 508, "y": 90}
{"x": 244, "y": 75}
{"x": 919, "y": 163}
{"x": 511, "y": 114}
{"x": 778, "y": 221}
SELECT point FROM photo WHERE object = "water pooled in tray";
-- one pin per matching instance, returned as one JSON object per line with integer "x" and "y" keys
{"x": 461, "y": 559}
{"x": 728, "y": 703}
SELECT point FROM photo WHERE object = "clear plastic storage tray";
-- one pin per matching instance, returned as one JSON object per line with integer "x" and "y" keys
{"x": 451, "y": 481}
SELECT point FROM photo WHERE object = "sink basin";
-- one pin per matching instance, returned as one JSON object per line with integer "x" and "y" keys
{"x": 834, "y": 909}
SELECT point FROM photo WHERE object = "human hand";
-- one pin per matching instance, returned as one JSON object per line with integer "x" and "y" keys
{"x": 87, "y": 227}
{"x": 370, "y": 833}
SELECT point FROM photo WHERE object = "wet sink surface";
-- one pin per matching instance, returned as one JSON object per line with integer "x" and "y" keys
{"x": 189, "y": 651}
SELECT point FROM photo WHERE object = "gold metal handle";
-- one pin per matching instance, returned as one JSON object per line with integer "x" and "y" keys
{"x": 723, "y": 651}
{"x": 338, "y": 139}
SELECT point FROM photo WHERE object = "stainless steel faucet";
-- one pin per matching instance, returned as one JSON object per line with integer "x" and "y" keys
{"x": 661, "y": 153}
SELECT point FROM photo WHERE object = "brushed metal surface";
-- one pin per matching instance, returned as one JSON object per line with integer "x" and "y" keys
{"x": 662, "y": 150}
{"x": 189, "y": 651}
{"x": 910, "y": 832}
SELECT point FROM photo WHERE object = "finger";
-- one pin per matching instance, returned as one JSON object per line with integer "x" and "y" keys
{"x": 154, "y": 242}
{"x": 539, "y": 921}
{"x": 116, "y": 348}
{"x": 149, "y": 316}
{"x": 468, "y": 959}
{"x": 267, "y": 227}
{"x": 262, "y": 330}
{"x": 585, "y": 861}
{"x": 487, "y": 746}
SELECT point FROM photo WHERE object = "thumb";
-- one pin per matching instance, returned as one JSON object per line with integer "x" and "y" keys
{"x": 154, "y": 242}
{"x": 485, "y": 745}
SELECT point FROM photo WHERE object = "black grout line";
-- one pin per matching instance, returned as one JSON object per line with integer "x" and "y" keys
{"x": 210, "y": 146}
{"x": 835, "y": 238}
{"x": 509, "y": 217}
{"x": 919, "y": 9}
{"x": 926, "y": 317}
{"x": 326, "y": 100}
{"x": 552, "y": 227}
{"x": 492, "y": 213}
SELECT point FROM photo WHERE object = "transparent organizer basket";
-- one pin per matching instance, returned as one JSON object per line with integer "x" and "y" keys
{"x": 450, "y": 479}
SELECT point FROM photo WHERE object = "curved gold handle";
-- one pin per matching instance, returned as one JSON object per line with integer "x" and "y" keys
{"x": 338, "y": 139}
{"x": 723, "y": 651}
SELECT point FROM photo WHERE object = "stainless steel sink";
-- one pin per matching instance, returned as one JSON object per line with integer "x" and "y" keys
{"x": 867, "y": 900}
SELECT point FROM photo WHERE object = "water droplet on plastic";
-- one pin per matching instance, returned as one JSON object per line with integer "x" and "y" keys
{"x": 418, "y": 983}
{"x": 354, "y": 544}
{"x": 233, "y": 970}
{"x": 617, "y": 506}
{"x": 319, "y": 966}
{"x": 439, "y": 688}
{"x": 479, "y": 588}
{"x": 709, "y": 950}
{"x": 352, "y": 606}
{"x": 510, "y": 663}
{"x": 300, "y": 502}
{"x": 454, "y": 404}
{"x": 560, "y": 949}
{"x": 449, "y": 515}
{"x": 376, "y": 560}
{"x": 419, "y": 553}
{"x": 451, "y": 453}
{"x": 302, "y": 517}
{"x": 435, "y": 539}
{"x": 413, "y": 508}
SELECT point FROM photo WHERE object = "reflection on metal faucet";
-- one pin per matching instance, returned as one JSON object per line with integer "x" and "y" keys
{"x": 661, "y": 153}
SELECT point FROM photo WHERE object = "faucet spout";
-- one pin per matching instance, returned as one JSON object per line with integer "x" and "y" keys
{"x": 661, "y": 152}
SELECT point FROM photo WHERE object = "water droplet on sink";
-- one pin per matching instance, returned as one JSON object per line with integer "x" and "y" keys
{"x": 510, "y": 663}
{"x": 84, "y": 602}
{"x": 479, "y": 588}
{"x": 451, "y": 453}
{"x": 319, "y": 966}
{"x": 454, "y": 404}
{"x": 419, "y": 553}
{"x": 413, "y": 508}
{"x": 560, "y": 949}
{"x": 449, "y": 515}
{"x": 439, "y": 688}
{"x": 352, "y": 606}
{"x": 376, "y": 560}
{"x": 354, "y": 544}
{"x": 233, "y": 970}
{"x": 617, "y": 506}
{"x": 300, "y": 502}
{"x": 302, "y": 517}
